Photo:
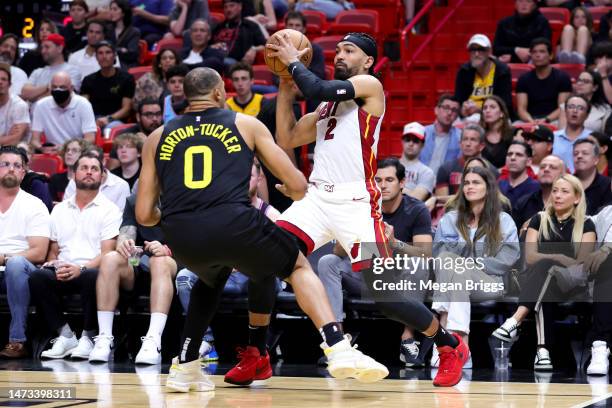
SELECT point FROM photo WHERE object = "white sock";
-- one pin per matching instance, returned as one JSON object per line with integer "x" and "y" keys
{"x": 66, "y": 331}
{"x": 105, "y": 322}
{"x": 512, "y": 321}
{"x": 156, "y": 325}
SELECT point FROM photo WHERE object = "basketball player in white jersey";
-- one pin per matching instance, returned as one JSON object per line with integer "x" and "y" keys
{"x": 343, "y": 200}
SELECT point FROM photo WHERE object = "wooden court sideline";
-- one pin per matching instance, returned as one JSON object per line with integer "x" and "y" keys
{"x": 103, "y": 389}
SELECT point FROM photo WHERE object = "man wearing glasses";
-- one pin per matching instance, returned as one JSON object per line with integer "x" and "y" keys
{"x": 482, "y": 76}
{"x": 577, "y": 109}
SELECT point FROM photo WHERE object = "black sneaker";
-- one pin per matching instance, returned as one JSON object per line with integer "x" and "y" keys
{"x": 409, "y": 353}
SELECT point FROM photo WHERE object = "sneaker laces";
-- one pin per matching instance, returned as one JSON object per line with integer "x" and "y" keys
{"x": 99, "y": 337}
{"x": 446, "y": 360}
{"x": 244, "y": 355}
{"x": 412, "y": 348}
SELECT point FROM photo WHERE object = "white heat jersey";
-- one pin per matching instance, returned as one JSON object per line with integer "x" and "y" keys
{"x": 347, "y": 140}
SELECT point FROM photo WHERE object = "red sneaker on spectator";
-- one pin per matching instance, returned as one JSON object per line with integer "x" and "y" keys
{"x": 452, "y": 361}
{"x": 251, "y": 367}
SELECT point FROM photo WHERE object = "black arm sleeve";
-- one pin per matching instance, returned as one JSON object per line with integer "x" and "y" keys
{"x": 314, "y": 87}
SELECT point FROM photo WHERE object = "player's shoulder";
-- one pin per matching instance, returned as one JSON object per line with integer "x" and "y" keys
{"x": 366, "y": 79}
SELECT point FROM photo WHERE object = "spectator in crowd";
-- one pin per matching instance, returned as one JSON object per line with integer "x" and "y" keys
{"x": 477, "y": 227}
{"x": 36, "y": 184}
{"x": 540, "y": 92}
{"x": 71, "y": 150}
{"x": 481, "y": 77}
{"x": 576, "y": 38}
{"x": 518, "y": 184}
{"x": 239, "y": 38}
{"x": 331, "y": 8}
{"x": 561, "y": 236}
{"x": 541, "y": 141}
{"x": 151, "y": 18}
{"x": 408, "y": 229}
{"x": 589, "y": 85}
{"x": 110, "y": 90}
{"x": 33, "y": 59}
{"x": 184, "y": 13}
{"x": 577, "y": 108}
{"x": 262, "y": 13}
{"x": 148, "y": 118}
{"x": 448, "y": 178}
{"x": 441, "y": 137}
{"x": 152, "y": 84}
{"x": 52, "y": 50}
{"x": 605, "y": 144}
{"x": 599, "y": 266}
{"x": 74, "y": 258}
{"x": 14, "y": 112}
{"x": 237, "y": 283}
{"x": 75, "y": 32}
{"x": 245, "y": 100}
{"x": 24, "y": 240}
{"x": 85, "y": 58}
{"x": 495, "y": 120}
{"x": 601, "y": 54}
{"x": 175, "y": 103}
{"x": 9, "y": 44}
{"x": 126, "y": 35}
{"x": 128, "y": 147}
{"x": 200, "y": 53}
{"x": 551, "y": 168}
{"x": 596, "y": 187}
{"x": 113, "y": 187}
{"x": 420, "y": 180}
{"x": 604, "y": 33}
{"x": 515, "y": 33}
{"x": 117, "y": 272}
{"x": 63, "y": 115}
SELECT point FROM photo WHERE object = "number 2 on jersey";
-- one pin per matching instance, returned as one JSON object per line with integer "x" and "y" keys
{"x": 206, "y": 153}
{"x": 331, "y": 125}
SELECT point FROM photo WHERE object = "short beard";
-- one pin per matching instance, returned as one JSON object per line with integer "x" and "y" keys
{"x": 344, "y": 74}
{"x": 81, "y": 185}
{"x": 9, "y": 181}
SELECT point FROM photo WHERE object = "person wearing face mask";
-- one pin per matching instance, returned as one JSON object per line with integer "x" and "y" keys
{"x": 62, "y": 115}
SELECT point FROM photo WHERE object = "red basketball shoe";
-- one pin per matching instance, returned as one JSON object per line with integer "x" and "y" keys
{"x": 252, "y": 366}
{"x": 452, "y": 361}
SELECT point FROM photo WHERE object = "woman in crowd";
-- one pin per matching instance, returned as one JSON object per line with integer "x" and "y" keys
{"x": 126, "y": 35}
{"x": 152, "y": 84}
{"x": 71, "y": 150}
{"x": 605, "y": 152}
{"x": 495, "y": 120}
{"x": 589, "y": 84}
{"x": 560, "y": 236}
{"x": 476, "y": 229}
{"x": 33, "y": 58}
{"x": 576, "y": 37}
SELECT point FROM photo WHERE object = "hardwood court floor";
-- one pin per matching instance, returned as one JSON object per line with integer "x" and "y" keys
{"x": 103, "y": 389}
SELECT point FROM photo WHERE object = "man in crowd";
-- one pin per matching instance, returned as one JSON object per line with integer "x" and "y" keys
{"x": 577, "y": 109}
{"x": 245, "y": 100}
{"x": 128, "y": 147}
{"x": 596, "y": 187}
{"x": 24, "y": 240}
{"x": 75, "y": 32}
{"x": 14, "y": 112}
{"x": 9, "y": 44}
{"x": 541, "y": 141}
{"x": 85, "y": 58}
{"x": 518, "y": 184}
{"x": 199, "y": 53}
{"x": 63, "y": 115}
{"x": 420, "y": 179}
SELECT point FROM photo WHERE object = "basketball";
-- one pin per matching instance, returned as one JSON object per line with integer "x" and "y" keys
{"x": 299, "y": 40}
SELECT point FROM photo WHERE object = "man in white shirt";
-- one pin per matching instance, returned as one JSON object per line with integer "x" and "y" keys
{"x": 8, "y": 53}
{"x": 63, "y": 115}
{"x": 83, "y": 229}
{"x": 420, "y": 179}
{"x": 52, "y": 50}
{"x": 14, "y": 112}
{"x": 24, "y": 240}
{"x": 85, "y": 58}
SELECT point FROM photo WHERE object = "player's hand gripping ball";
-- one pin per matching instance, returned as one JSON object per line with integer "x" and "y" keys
{"x": 284, "y": 43}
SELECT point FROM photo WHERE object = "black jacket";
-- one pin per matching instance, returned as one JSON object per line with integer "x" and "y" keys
{"x": 502, "y": 82}
{"x": 516, "y": 31}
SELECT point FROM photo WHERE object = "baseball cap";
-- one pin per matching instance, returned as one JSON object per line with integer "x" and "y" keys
{"x": 414, "y": 129}
{"x": 539, "y": 133}
{"x": 104, "y": 43}
{"x": 56, "y": 39}
{"x": 480, "y": 39}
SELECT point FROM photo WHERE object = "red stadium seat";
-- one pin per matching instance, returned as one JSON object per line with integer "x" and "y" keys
{"x": 315, "y": 19}
{"x": 597, "y": 13}
{"x": 175, "y": 44}
{"x": 355, "y": 21}
{"x": 263, "y": 75}
{"x": 328, "y": 44}
{"x": 145, "y": 56}
{"x": 216, "y": 18}
{"x": 46, "y": 163}
{"x": 137, "y": 72}
{"x": 556, "y": 13}
{"x": 329, "y": 72}
{"x": 573, "y": 70}
{"x": 516, "y": 70}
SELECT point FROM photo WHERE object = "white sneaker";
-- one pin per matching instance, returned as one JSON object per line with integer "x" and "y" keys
{"x": 508, "y": 331}
{"x": 103, "y": 347}
{"x": 188, "y": 377}
{"x": 599, "y": 359}
{"x": 344, "y": 361}
{"x": 435, "y": 358}
{"x": 62, "y": 346}
{"x": 150, "y": 352}
{"x": 83, "y": 349}
{"x": 542, "y": 360}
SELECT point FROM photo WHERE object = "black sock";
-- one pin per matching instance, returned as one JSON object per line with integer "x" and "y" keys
{"x": 331, "y": 333}
{"x": 257, "y": 338}
{"x": 444, "y": 338}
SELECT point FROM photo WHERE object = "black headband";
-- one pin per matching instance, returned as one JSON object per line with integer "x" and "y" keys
{"x": 365, "y": 44}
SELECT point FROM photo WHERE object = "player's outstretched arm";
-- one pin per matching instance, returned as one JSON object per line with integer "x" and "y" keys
{"x": 290, "y": 134}
{"x": 147, "y": 211}
{"x": 273, "y": 157}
